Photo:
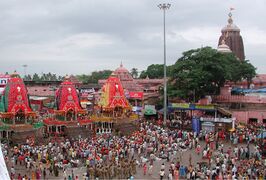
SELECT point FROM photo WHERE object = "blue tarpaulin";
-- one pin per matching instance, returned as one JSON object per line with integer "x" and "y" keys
{"x": 262, "y": 135}
{"x": 196, "y": 124}
{"x": 244, "y": 91}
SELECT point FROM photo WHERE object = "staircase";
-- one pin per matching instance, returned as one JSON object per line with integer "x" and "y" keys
{"x": 39, "y": 139}
{"x": 20, "y": 137}
{"x": 125, "y": 128}
{"x": 76, "y": 131}
{"x": 224, "y": 111}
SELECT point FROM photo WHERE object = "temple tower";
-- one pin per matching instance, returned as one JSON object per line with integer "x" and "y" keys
{"x": 232, "y": 38}
{"x": 15, "y": 96}
{"x": 67, "y": 99}
{"x": 113, "y": 94}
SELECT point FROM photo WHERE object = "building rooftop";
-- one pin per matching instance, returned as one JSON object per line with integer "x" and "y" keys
{"x": 126, "y": 79}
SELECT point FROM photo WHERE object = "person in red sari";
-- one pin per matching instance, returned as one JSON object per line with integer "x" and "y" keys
{"x": 144, "y": 169}
{"x": 38, "y": 174}
{"x": 176, "y": 174}
{"x": 198, "y": 149}
{"x": 19, "y": 177}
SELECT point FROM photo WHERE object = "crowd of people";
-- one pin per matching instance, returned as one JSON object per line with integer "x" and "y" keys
{"x": 109, "y": 156}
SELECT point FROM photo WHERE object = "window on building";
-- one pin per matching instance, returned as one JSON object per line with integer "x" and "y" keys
{"x": 253, "y": 120}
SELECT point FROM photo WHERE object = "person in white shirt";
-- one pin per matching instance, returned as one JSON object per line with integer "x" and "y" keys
{"x": 163, "y": 166}
{"x": 150, "y": 169}
{"x": 234, "y": 170}
{"x": 170, "y": 176}
{"x": 161, "y": 174}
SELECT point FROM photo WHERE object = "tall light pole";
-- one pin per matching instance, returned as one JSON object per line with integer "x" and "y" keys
{"x": 164, "y": 7}
{"x": 25, "y": 69}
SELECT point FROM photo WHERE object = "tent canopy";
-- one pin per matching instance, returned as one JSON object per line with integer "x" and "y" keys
{"x": 245, "y": 91}
{"x": 3, "y": 169}
{"x": 149, "y": 110}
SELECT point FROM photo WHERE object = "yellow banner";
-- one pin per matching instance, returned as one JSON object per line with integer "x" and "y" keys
{"x": 211, "y": 107}
{"x": 180, "y": 105}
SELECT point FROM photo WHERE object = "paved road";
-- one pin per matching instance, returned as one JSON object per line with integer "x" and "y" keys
{"x": 183, "y": 157}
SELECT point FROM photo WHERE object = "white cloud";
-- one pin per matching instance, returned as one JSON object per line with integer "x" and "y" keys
{"x": 254, "y": 36}
{"x": 82, "y": 36}
{"x": 86, "y": 40}
{"x": 198, "y": 34}
{"x": 61, "y": 50}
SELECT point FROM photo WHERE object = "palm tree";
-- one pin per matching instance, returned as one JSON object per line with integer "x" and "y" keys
{"x": 134, "y": 72}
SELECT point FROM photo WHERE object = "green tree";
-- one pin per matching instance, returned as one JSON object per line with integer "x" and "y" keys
{"x": 27, "y": 77}
{"x": 247, "y": 72}
{"x": 155, "y": 71}
{"x": 83, "y": 78}
{"x": 203, "y": 71}
{"x": 60, "y": 78}
{"x": 53, "y": 77}
{"x": 94, "y": 76}
{"x": 36, "y": 77}
{"x": 134, "y": 73}
{"x": 43, "y": 77}
{"x": 49, "y": 76}
{"x": 97, "y": 75}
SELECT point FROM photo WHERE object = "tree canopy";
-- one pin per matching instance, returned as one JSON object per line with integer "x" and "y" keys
{"x": 134, "y": 73}
{"x": 44, "y": 77}
{"x": 154, "y": 71}
{"x": 203, "y": 71}
{"x": 94, "y": 76}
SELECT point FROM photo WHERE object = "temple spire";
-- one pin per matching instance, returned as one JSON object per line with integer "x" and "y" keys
{"x": 230, "y": 19}
{"x": 231, "y": 37}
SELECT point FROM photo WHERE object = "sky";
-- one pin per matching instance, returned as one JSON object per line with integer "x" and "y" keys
{"x": 81, "y": 36}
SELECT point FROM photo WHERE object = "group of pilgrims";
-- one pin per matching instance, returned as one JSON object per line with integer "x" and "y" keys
{"x": 110, "y": 156}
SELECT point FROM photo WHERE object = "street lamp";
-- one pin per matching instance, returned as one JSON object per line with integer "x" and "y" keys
{"x": 25, "y": 69}
{"x": 164, "y": 7}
